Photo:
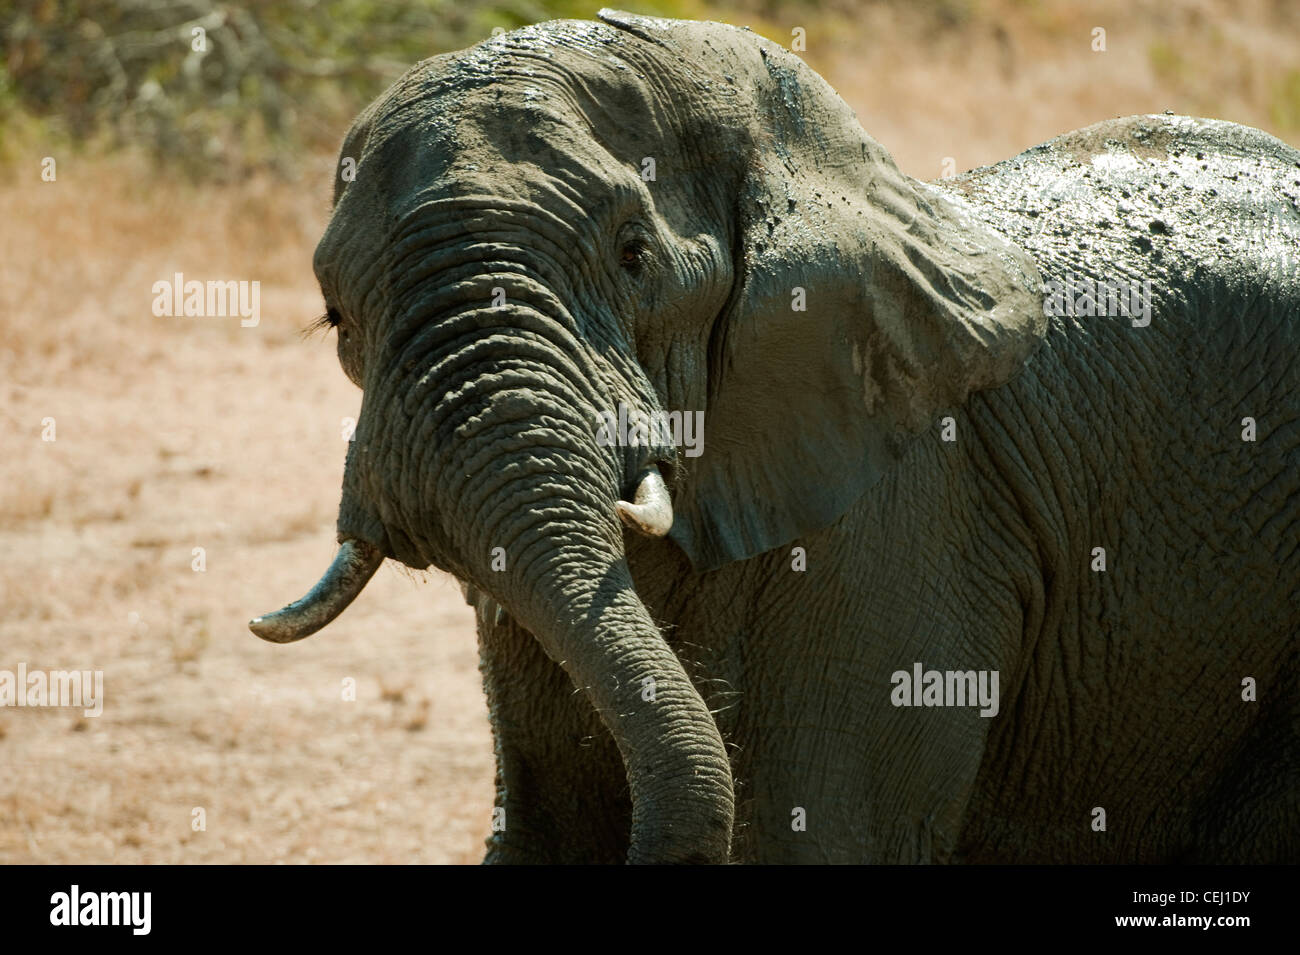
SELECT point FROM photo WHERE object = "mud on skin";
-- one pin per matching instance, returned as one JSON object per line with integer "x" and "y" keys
{"x": 926, "y": 469}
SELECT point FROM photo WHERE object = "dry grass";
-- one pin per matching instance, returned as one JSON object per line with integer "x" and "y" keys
{"x": 173, "y": 434}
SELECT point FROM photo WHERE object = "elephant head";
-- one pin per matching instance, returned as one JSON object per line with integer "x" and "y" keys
{"x": 580, "y": 215}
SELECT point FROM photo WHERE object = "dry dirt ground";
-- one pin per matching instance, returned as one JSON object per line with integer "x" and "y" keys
{"x": 172, "y": 434}
{"x": 177, "y": 433}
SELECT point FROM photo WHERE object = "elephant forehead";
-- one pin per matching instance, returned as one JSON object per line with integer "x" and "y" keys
{"x": 526, "y": 143}
{"x": 540, "y": 158}
{"x": 571, "y": 73}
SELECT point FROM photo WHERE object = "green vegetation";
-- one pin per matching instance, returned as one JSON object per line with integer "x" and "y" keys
{"x": 223, "y": 87}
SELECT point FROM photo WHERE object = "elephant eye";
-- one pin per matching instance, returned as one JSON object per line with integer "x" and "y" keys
{"x": 632, "y": 254}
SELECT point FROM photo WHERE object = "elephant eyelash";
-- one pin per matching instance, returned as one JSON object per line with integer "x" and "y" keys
{"x": 330, "y": 319}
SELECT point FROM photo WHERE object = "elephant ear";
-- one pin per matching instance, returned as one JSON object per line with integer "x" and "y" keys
{"x": 865, "y": 303}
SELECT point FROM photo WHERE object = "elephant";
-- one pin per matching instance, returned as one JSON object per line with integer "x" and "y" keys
{"x": 989, "y": 547}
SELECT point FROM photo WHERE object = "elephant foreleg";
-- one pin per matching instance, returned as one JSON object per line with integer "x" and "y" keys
{"x": 561, "y": 790}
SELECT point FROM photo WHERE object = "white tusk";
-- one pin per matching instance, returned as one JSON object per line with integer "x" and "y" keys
{"x": 652, "y": 511}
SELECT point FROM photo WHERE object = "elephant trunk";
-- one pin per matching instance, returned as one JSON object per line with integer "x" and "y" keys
{"x": 503, "y": 483}
{"x": 520, "y": 493}
{"x": 677, "y": 768}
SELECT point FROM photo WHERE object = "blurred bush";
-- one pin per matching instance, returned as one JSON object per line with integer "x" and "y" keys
{"x": 219, "y": 88}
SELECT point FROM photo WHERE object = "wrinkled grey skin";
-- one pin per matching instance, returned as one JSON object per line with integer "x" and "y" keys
{"x": 516, "y": 165}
